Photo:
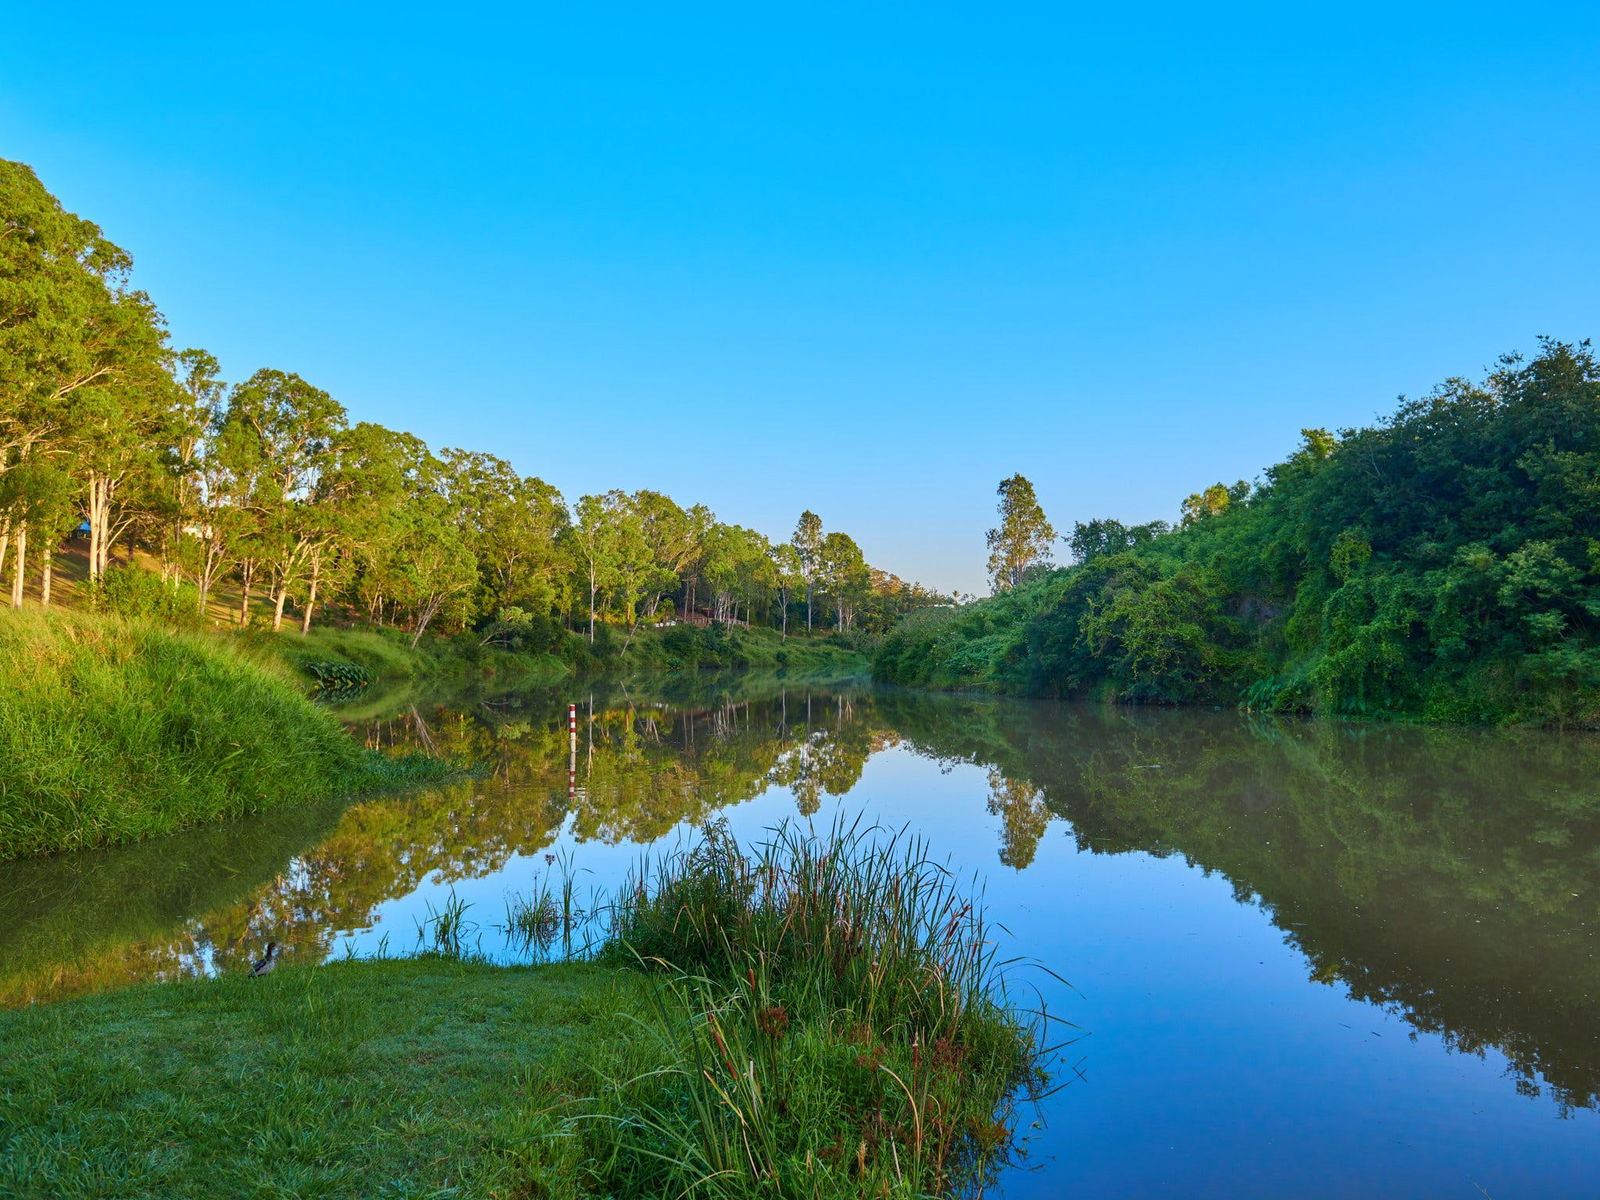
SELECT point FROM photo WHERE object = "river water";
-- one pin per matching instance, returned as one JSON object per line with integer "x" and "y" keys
{"x": 1306, "y": 959}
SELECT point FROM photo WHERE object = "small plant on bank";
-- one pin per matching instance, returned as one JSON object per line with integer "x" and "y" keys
{"x": 342, "y": 678}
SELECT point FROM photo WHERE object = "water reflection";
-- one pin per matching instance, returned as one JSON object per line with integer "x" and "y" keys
{"x": 1452, "y": 877}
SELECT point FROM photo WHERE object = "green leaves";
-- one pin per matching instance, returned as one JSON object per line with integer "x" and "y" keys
{"x": 1022, "y": 538}
{"x": 1446, "y": 560}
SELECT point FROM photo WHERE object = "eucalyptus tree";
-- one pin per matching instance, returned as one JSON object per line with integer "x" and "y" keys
{"x": 738, "y": 567}
{"x": 807, "y": 542}
{"x": 1023, "y": 536}
{"x": 372, "y": 479}
{"x": 36, "y": 495}
{"x": 197, "y": 407}
{"x": 645, "y": 571}
{"x": 79, "y": 353}
{"x": 513, "y": 524}
{"x": 758, "y": 577}
{"x": 225, "y": 522}
{"x": 435, "y": 571}
{"x": 844, "y": 575}
{"x": 286, "y": 432}
{"x": 674, "y": 539}
{"x": 786, "y": 577}
{"x": 609, "y": 551}
{"x": 112, "y": 437}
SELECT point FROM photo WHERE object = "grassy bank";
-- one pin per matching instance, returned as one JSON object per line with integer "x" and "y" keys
{"x": 111, "y": 731}
{"x": 810, "y": 1018}
{"x": 399, "y": 1078}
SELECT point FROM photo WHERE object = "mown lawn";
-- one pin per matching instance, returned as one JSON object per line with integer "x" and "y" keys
{"x": 412, "y": 1078}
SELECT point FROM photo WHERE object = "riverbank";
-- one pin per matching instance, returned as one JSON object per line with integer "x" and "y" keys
{"x": 818, "y": 1017}
{"x": 113, "y": 730}
{"x": 550, "y": 655}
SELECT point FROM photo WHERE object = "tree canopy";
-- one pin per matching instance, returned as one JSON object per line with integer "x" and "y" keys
{"x": 267, "y": 483}
{"x": 1443, "y": 563}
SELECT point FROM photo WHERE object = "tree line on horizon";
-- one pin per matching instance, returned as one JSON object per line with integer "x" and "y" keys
{"x": 266, "y": 482}
{"x": 1443, "y": 563}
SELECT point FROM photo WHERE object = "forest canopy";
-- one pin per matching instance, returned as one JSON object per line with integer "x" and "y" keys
{"x": 265, "y": 483}
{"x": 1442, "y": 563}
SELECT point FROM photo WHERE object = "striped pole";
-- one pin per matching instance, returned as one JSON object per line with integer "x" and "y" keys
{"x": 572, "y": 752}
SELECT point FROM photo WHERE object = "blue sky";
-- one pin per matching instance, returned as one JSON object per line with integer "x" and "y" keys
{"x": 867, "y": 259}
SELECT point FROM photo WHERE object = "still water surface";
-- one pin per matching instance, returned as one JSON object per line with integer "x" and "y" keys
{"x": 1310, "y": 959}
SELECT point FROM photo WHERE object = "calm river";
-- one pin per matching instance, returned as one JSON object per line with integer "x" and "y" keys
{"x": 1308, "y": 959}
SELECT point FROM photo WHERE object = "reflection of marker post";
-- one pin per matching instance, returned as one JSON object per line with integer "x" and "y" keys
{"x": 572, "y": 752}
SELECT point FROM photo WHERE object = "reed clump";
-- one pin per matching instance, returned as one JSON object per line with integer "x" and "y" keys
{"x": 831, "y": 1019}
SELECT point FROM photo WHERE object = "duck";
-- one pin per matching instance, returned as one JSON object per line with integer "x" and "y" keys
{"x": 263, "y": 965}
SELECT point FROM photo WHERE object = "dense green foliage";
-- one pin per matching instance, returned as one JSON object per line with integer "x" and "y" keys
{"x": 112, "y": 731}
{"x": 264, "y": 490}
{"x": 1444, "y": 564}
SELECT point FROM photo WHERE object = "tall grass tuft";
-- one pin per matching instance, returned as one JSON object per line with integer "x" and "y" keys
{"x": 547, "y": 922}
{"x": 444, "y": 932}
{"x": 833, "y": 1020}
{"x": 114, "y": 730}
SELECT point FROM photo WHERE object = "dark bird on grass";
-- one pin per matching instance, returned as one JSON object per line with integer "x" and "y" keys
{"x": 263, "y": 965}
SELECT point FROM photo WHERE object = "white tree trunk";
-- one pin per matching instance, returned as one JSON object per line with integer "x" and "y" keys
{"x": 311, "y": 597}
{"x": 19, "y": 572}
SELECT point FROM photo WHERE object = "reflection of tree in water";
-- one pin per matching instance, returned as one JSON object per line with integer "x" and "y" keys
{"x": 1023, "y": 817}
{"x": 217, "y": 896}
{"x": 1450, "y": 876}
{"x": 829, "y": 758}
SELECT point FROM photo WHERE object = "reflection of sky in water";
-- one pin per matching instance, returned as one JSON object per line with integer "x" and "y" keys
{"x": 1212, "y": 1065}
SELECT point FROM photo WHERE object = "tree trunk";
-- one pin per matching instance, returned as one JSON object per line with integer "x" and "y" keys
{"x": 19, "y": 572}
{"x": 94, "y": 528}
{"x": 808, "y": 608}
{"x": 311, "y": 598}
{"x": 100, "y": 489}
{"x": 44, "y": 577}
{"x": 246, "y": 571}
{"x": 279, "y": 595}
{"x": 424, "y": 615}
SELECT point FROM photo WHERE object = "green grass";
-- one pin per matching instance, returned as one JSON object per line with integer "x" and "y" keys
{"x": 386, "y": 653}
{"x": 811, "y": 1018}
{"x": 112, "y": 731}
{"x": 414, "y": 1078}
{"x": 832, "y": 1021}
